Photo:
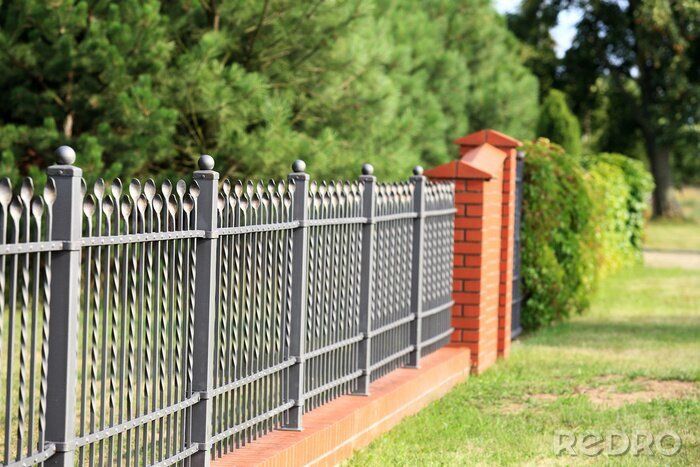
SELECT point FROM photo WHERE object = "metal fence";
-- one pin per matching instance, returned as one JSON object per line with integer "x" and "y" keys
{"x": 516, "y": 311}
{"x": 160, "y": 325}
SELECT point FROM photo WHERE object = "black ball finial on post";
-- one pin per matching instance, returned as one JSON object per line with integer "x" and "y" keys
{"x": 206, "y": 162}
{"x": 65, "y": 155}
{"x": 367, "y": 169}
{"x": 418, "y": 170}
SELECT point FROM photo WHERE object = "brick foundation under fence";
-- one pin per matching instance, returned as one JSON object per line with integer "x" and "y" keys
{"x": 333, "y": 431}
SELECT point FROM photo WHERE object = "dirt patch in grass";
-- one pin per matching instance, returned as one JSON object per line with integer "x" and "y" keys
{"x": 639, "y": 390}
{"x": 610, "y": 392}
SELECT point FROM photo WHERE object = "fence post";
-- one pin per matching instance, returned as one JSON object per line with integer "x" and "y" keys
{"x": 419, "y": 181}
{"x": 482, "y": 243}
{"x": 65, "y": 297}
{"x": 204, "y": 309}
{"x": 300, "y": 261}
{"x": 366, "y": 283}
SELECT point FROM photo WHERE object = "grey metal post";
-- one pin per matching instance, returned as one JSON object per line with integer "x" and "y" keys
{"x": 300, "y": 245}
{"x": 366, "y": 283}
{"x": 419, "y": 181}
{"x": 204, "y": 309}
{"x": 63, "y": 321}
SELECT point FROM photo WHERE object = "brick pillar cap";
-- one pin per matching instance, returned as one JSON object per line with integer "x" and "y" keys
{"x": 493, "y": 137}
{"x": 481, "y": 163}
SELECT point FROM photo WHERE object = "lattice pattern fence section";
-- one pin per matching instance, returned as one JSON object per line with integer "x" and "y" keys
{"x": 437, "y": 272}
{"x": 163, "y": 324}
{"x": 333, "y": 309}
{"x": 391, "y": 313}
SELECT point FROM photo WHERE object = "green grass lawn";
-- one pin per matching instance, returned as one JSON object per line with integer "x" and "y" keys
{"x": 673, "y": 235}
{"x": 631, "y": 363}
{"x": 678, "y": 234}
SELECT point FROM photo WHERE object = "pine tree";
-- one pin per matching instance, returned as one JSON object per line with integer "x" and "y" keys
{"x": 87, "y": 74}
{"x": 558, "y": 123}
{"x": 145, "y": 86}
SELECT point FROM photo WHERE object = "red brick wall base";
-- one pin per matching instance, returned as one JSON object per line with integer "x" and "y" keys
{"x": 332, "y": 432}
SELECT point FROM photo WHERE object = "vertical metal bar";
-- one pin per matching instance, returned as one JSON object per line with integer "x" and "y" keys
{"x": 65, "y": 296}
{"x": 366, "y": 271}
{"x": 204, "y": 309}
{"x": 419, "y": 181}
{"x": 300, "y": 246}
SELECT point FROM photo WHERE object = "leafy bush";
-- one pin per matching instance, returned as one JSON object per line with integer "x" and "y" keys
{"x": 558, "y": 238}
{"x": 610, "y": 192}
{"x": 640, "y": 183}
{"x": 583, "y": 219}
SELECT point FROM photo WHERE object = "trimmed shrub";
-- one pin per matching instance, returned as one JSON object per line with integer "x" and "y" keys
{"x": 641, "y": 184}
{"x": 583, "y": 219}
{"x": 610, "y": 192}
{"x": 558, "y": 238}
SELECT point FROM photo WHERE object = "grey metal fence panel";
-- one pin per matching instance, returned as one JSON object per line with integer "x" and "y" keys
{"x": 516, "y": 326}
{"x": 436, "y": 313}
{"x": 333, "y": 306}
{"x": 156, "y": 325}
{"x": 136, "y": 318}
{"x": 254, "y": 310}
{"x": 25, "y": 234}
{"x": 391, "y": 306}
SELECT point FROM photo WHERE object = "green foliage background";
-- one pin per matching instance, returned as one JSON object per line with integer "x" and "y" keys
{"x": 558, "y": 124}
{"x": 142, "y": 87}
{"x": 582, "y": 220}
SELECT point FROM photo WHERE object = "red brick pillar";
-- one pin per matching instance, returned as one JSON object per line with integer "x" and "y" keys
{"x": 508, "y": 145}
{"x": 483, "y": 253}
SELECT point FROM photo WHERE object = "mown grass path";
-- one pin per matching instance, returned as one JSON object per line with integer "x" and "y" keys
{"x": 631, "y": 363}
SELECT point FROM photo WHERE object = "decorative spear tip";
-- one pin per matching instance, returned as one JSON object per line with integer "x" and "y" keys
{"x": 418, "y": 170}
{"x": 367, "y": 169}
{"x": 206, "y": 162}
{"x": 65, "y": 155}
{"x": 299, "y": 166}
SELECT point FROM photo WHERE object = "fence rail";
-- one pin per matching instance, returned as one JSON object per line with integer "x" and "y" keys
{"x": 152, "y": 325}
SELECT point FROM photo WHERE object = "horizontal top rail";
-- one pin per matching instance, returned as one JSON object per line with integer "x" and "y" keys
{"x": 141, "y": 237}
{"x": 334, "y": 221}
{"x": 37, "y": 247}
{"x": 439, "y": 212}
{"x": 245, "y": 229}
{"x": 395, "y": 217}
{"x": 31, "y": 247}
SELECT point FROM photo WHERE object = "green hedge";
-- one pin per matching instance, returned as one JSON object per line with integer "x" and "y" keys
{"x": 583, "y": 219}
{"x": 640, "y": 183}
